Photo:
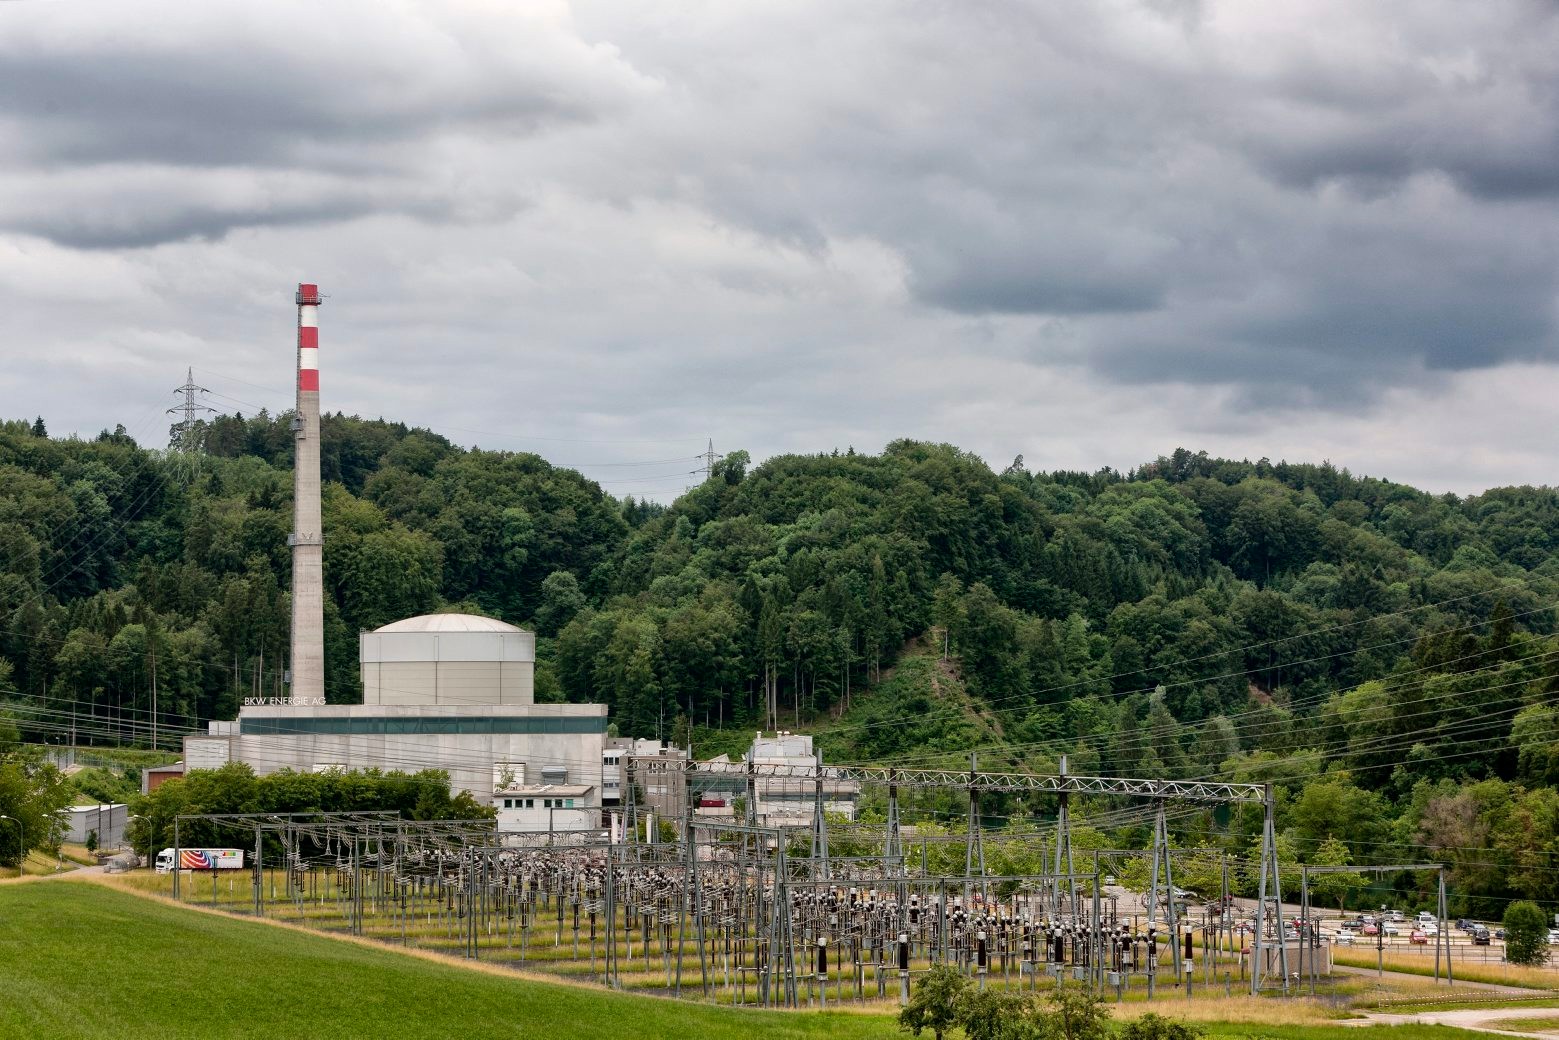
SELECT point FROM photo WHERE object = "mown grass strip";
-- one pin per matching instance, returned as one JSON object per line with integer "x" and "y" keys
{"x": 87, "y": 960}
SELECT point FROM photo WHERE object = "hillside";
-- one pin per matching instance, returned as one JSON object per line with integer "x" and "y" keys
{"x": 187, "y": 974}
{"x": 1383, "y": 655}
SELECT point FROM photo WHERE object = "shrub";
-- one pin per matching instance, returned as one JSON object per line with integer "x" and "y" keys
{"x": 1075, "y": 1014}
{"x": 1156, "y": 1027}
{"x": 935, "y": 1003}
{"x": 1526, "y": 933}
{"x": 992, "y": 1015}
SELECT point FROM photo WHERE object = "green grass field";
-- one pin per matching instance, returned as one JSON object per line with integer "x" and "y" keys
{"x": 85, "y": 960}
{"x": 1528, "y": 1025}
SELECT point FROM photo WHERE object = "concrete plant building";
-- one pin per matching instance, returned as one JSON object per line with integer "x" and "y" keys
{"x": 780, "y": 799}
{"x": 441, "y": 691}
{"x": 662, "y": 783}
{"x": 785, "y": 802}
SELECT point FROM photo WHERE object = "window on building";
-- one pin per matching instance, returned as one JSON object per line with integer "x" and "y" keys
{"x": 569, "y": 803}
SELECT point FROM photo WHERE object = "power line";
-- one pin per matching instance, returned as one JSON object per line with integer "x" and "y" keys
{"x": 487, "y": 433}
{"x": 1034, "y": 695}
{"x": 1393, "y": 682}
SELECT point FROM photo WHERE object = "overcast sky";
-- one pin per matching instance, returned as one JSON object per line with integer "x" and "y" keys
{"x": 1086, "y": 231}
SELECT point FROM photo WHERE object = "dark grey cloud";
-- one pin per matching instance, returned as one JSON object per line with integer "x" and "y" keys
{"x": 253, "y": 104}
{"x": 135, "y": 221}
{"x": 1277, "y": 196}
{"x": 212, "y": 120}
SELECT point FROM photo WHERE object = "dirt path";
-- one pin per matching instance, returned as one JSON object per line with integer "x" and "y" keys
{"x": 1512, "y": 991}
{"x": 74, "y": 872}
{"x": 1476, "y": 1019}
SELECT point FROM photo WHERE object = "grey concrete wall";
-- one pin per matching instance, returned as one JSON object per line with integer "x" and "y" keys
{"x": 449, "y": 682}
{"x": 109, "y": 822}
{"x": 207, "y": 752}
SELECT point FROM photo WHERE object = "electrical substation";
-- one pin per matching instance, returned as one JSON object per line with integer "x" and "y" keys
{"x": 739, "y": 913}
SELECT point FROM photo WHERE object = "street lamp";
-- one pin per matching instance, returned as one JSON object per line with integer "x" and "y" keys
{"x": 21, "y": 845}
{"x": 129, "y": 819}
{"x": 149, "y": 836}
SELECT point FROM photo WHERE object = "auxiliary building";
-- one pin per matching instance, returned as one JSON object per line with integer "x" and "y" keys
{"x": 442, "y": 691}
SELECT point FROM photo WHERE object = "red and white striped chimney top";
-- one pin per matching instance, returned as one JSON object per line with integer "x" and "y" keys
{"x": 308, "y": 337}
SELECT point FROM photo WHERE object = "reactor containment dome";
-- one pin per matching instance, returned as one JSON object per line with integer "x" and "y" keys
{"x": 448, "y": 659}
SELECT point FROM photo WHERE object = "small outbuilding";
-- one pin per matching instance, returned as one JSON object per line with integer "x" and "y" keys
{"x": 108, "y": 820}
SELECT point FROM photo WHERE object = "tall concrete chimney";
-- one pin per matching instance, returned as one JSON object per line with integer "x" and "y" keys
{"x": 308, "y": 579}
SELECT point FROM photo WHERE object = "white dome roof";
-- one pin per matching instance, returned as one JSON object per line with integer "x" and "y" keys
{"x": 449, "y": 623}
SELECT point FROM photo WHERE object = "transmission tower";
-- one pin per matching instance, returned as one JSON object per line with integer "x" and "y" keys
{"x": 709, "y": 458}
{"x": 189, "y": 409}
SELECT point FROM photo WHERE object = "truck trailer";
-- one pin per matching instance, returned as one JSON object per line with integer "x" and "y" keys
{"x": 201, "y": 859}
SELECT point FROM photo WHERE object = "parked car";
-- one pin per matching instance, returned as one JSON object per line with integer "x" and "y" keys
{"x": 1393, "y": 928}
{"x": 1342, "y": 938}
{"x": 1353, "y": 926}
{"x": 1499, "y": 933}
{"x": 1553, "y": 936}
{"x": 1429, "y": 928}
{"x": 1418, "y": 938}
{"x": 1480, "y": 935}
{"x": 1395, "y": 915}
{"x": 1370, "y": 929}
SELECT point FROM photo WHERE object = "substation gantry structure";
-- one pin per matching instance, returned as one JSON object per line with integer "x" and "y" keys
{"x": 1309, "y": 955}
{"x": 1270, "y": 953}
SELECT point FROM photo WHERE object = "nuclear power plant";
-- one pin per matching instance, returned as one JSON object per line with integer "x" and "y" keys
{"x": 706, "y": 856}
{"x": 442, "y": 691}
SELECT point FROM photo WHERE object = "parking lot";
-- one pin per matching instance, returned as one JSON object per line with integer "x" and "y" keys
{"x": 1392, "y": 936}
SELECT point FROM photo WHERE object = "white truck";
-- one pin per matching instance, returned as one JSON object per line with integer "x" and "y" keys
{"x": 201, "y": 859}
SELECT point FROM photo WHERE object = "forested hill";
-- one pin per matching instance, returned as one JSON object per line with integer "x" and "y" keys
{"x": 1190, "y": 617}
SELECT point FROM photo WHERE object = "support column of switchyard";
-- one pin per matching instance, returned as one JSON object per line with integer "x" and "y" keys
{"x": 307, "y": 541}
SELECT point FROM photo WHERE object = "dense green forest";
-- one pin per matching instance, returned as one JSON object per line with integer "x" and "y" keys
{"x": 1385, "y": 656}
